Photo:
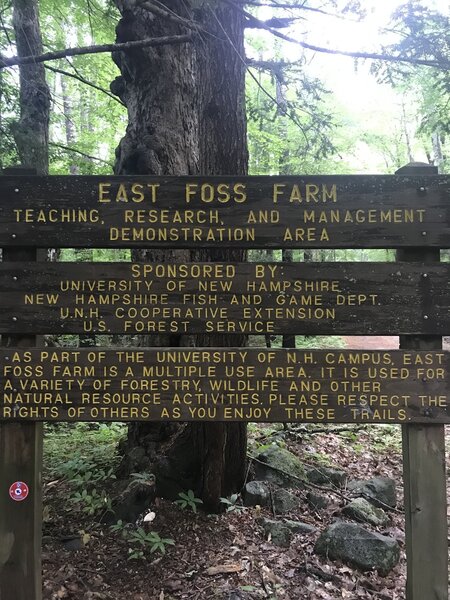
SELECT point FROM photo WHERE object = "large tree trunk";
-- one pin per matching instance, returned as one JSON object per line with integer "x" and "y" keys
{"x": 186, "y": 116}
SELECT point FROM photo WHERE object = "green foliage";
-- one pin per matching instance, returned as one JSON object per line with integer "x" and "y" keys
{"x": 291, "y": 132}
{"x": 143, "y": 477}
{"x": 188, "y": 500}
{"x": 232, "y": 504}
{"x": 86, "y": 122}
{"x": 382, "y": 438}
{"x": 140, "y": 541}
{"x": 71, "y": 449}
{"x": 94, "y": 255}
{"x": 9, "y": 95}
{"x": 82, "y": 478}
{"x": 423, "y": 34}
{"x": 151, "y": 541}
{"x": 91, "y": 502}
{"x": 118, "y": 527}
{"x": 295, "y": 125}
{"x": 85, "y": 456}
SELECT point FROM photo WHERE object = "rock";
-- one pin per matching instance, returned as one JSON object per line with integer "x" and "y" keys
{"x": 283, "y": 501}
{"x": 317, "y": 501}
{"x": 361, "y": 509}
{"x": 73, "y": 543}
{"x": 279, "y": 533}
{"x": 363, "y": 549}
{"x": 235, "y": 595}
{"x": 300, "y": 527}
{"x": 326, "y": 476}
{"x": 378, "y": 490}
{"x": 278, "y": 465}
{"x": 256, "y": 493}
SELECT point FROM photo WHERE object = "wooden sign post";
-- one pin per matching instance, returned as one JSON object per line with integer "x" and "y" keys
{"x": 424, "y": 470}
{"x": 411, "y": 386}
{"x": 20, "y": 463}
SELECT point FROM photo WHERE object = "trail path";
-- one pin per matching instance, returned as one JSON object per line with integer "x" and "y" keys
{"x": 379, "y": 342}
{"x": 367, "y": 342}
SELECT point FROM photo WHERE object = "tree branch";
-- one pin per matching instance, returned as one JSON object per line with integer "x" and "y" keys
{"x": 273, "y": 66}
{"x": 86, "y": 81}
{"x": 274, "y": 4}
{"x": 292, "y": 6}
{"x": 161, "y": 41}
{"x": 442, "y": 64}
{"x": 87, "y": 156}
{"x": 277, "y": 22}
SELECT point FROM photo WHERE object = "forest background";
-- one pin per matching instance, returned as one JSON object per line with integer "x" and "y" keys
{"x": 308, "y": 111}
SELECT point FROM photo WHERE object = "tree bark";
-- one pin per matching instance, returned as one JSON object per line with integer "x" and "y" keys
{"x": 186, "y": 116}
{"x": 31, "y": 131}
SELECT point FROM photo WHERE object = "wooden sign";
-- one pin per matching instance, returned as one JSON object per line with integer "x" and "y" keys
{"x": 224, "y": 384}
{"x": 336, "y": 211}
{"x": 254, "y": 298}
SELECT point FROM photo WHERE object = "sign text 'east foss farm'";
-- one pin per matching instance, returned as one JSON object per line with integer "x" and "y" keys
{"x": 317, "y": 211}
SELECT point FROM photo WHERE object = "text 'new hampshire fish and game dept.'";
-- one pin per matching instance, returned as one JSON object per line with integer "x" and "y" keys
{"x": 254, "y": 298}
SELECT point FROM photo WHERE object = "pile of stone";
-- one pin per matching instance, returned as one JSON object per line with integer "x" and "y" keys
{"x": 279, "y": 475}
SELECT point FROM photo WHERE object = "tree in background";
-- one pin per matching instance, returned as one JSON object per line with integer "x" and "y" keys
{"x": 30, "y": 131}
{"x": 424, "y": 33}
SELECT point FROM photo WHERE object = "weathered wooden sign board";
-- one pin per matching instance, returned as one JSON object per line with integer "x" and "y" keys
{"x": 224, "y": 384}
{"x": 410, "y": 211}
{"x": 336, "y": 211}
{"x": 302, "y": 298}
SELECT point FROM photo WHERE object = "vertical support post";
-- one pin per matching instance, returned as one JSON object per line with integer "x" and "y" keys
{"x": 424, "y": 469}
{"x": 20, "y": 461}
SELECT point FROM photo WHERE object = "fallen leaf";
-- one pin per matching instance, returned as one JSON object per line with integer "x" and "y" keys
{"x": 85, "y": 537}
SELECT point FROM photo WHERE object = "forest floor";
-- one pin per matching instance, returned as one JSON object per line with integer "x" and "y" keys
{"x": 217, "y": 557}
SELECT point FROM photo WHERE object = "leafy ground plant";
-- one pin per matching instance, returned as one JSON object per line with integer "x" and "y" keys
{"x": 188, "y": 500}
{"x": 84, "y": 456}
{"x": 91, "y": 502}
{"x": 141, "y": 541}
{"x": 232, "y": 503}
{"x": 150, "y": 541}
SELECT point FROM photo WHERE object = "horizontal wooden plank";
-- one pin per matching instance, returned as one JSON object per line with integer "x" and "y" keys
{"x": 224, "y": 384}
{"x": 335, "y": 211}
{"x": 302, "y": 298}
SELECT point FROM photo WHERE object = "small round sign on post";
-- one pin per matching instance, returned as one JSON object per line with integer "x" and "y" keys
{"x": 18, "y": 491}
